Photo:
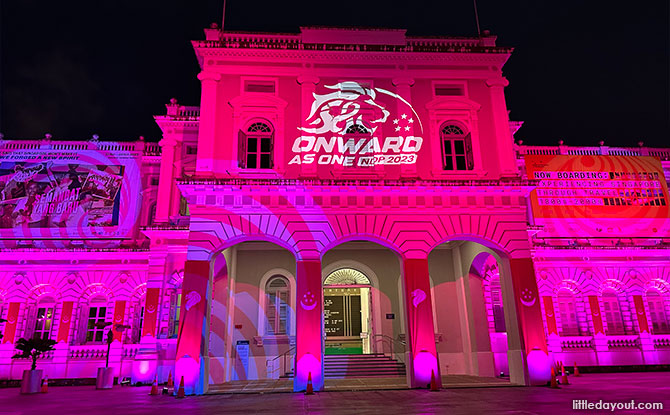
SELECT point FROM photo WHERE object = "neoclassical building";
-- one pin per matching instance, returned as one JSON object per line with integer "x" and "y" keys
{"x": 338, "y": 194}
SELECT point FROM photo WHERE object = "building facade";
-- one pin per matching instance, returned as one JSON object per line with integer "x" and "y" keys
{"x": 337, "y": 191}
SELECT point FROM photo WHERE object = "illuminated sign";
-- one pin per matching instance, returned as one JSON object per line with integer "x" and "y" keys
{"x": 344, "y": 129}
{"x": 47, "y": 193}
{"x": 598, "y": 187}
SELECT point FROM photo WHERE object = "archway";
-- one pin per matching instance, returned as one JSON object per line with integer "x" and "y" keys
{"x": 362, "y": 310}
{"x": 476, "y": 314}
{"x": 347, "y": 312}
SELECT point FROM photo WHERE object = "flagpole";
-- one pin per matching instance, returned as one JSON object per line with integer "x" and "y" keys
{"x": 479, "y": 33}
{"x": 223, "y": 20}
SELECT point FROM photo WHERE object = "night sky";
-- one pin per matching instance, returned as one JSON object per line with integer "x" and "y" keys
{"x": 581, "y": 72}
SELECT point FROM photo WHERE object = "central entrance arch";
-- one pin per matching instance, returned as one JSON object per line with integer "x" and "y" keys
{"x": 347, "y": 306}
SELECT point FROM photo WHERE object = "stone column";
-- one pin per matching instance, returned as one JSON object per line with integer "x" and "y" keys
{"x": 207, "y": 125}
{"x": 534, "y": 349}
{"x": 403, "y": 86}
{"x": 309, "y": 325}
{"x": 503, "y": 135}
{"x": 191, "y": 360}
{"x": 175, "y": 197}
{"x": 307, "y": 88}
{"x": 166, "y": 183}
{"x": 423, "y": 359}
{"x": 465, "y": 314}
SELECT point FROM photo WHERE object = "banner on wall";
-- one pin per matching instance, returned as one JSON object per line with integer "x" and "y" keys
{"x": 606, "y": 187}
{"x": 48, "y": 195}
{"x": 353, "y": 124}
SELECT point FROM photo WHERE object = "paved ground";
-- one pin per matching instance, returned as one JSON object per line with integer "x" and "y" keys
{"x": 642, "y": 387}
{"x": 360, "y": 384}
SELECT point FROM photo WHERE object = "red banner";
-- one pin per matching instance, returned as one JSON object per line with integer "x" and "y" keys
{"x": 151, "y": 304}
{"x": 12, "y": 320}
{"x": 65, "y": 322}
{"x": 309, "y": 315}
{"x": 551, "y": 316}
{"x": 641, "y": 314}
{"x": 193, "y": 308}
{"x": 528, "y": 308}
{"x": 420, "y": 320}
{"x": 119, "y": 315}
{"x": 595, "y": 314}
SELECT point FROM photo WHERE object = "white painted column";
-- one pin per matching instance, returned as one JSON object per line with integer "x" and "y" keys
{"x": 207, "y": 126}
{"x": 504, "y": 139}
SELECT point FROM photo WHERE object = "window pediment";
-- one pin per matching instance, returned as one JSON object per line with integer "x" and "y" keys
{"x": 257, "y": 102}
{"x": 452, "y": 103}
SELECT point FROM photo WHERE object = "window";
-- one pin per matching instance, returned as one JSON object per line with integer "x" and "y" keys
{"x": 94, "y": 327}
{"x": 659, "y": 320}
{"x": 456, "y": 148}
{"x": 496, "y": 302}
{"x": 255, "y": 147}
{"x": 258, "y": 86}
{"x": 175, "y": 306}
{"x": 152, "y": 215}
{"x": 449, "y": 90}
{"x": 566, "y": 309}
{"x": 276, "y": 305}
{"x": 191, "y": 150}
{"x": 612, "y": 313}
{"x": 43, "y": 322}
{"x": 154, "y": 181}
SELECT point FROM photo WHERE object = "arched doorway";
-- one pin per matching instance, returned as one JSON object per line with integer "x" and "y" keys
{"x": 347, "y": 312}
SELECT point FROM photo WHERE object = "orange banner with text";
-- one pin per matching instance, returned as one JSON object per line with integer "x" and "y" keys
{"x": 592, "y": 186}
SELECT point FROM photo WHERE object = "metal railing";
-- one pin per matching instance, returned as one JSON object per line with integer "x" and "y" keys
{"x": 389, "y": 341}
{"x": 285, "y": 361}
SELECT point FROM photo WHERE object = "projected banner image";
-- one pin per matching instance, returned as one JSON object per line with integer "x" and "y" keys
{"x": 592, "y": 187}
{"x": 49, "y": 195}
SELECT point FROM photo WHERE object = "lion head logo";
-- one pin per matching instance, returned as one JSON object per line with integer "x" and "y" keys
{"x": 348, "y": 103}
{"x": 192, "y": 299}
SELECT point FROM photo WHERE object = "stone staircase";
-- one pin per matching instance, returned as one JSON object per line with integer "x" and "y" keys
{"x": 362, "y": 366}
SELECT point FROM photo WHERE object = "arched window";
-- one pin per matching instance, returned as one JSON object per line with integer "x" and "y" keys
{"x": 276, "y": 305}
{"x": 97, "y": 311}
{"x": 497, "y": 305}
{"x": 566, "y": 309}
{"x": 612, "y": 313}
{"x": 152, "y": 215}
{"x": 659, "y": 318}
{"x": 357, "y": 129}
{"x": 456, "y": 148}
{"x": 255, "y": 146}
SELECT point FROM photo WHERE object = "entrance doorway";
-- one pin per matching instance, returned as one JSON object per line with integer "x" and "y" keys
{"x": 347, "y": 315}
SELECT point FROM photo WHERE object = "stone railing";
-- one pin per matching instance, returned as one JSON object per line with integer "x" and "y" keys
{"x": 294, "y": 42}
{"x": 43, "y": 356}
{"x": 661, "y": 153}
{"x": 623, "y": 342}
{"x": 576, "y": 342}
{"x": 661, "y": 341}
{"x": 89, "y": 352}
{"x": 71, "y": 145}
{"x": 129, "y": 350}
